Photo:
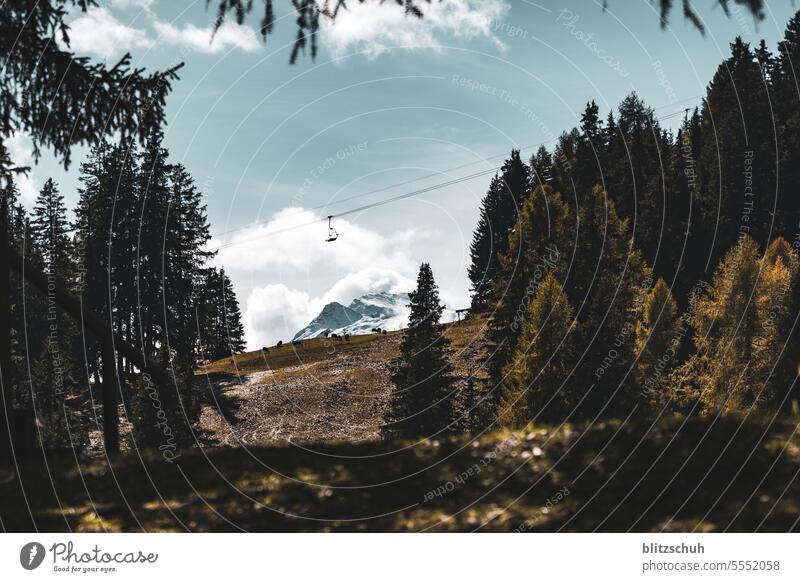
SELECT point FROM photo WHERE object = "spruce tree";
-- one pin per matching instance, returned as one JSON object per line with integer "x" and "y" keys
{"x": 218, "y": 316}
{"x": 606, "y": 285}
{"x": 737, "y": 161}
{"x": 421, "y": 398}
{"x": 54, "y": 371}
{"x": 234, "y": 330}
{"x": 49, "y": 228}
{"x": 486, "y": 241}
{"x": 539, "y": 244}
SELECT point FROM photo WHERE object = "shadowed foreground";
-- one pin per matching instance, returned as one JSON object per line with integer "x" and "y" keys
{"x": 610, "y": 477}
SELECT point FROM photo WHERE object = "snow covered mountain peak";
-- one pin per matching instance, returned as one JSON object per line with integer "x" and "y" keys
{"x": 384, "y": 310}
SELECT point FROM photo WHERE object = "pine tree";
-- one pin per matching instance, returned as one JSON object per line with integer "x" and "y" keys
{"x": 589, "y": 152}
{"x": 54, "y": 376}
{"x": 234, "y": 330}
{"x": 421, "y": 398}
{"x": 186, "y": 234}
{"x": 538, "y": 382}
{"x": 218, "y": 316}
{"x": 685, "y": 233}
{"x": 49, "y": 227}
{"x": 486, "y": 241}
{"x": 515, "y": 178}
{"x": 153, "y": 205}
{"x": 786, "y": 102}
{"x": 606, "y": 285}
{"x": 541, "y": 168}
{"x": 737, "y": 159}
{"x": 499, "y": 213}
{"x": 539, "y": 244}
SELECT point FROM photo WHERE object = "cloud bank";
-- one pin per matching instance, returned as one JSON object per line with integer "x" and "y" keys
{"x": 374, "y": 29}
{"x": 290, "y": 247}
{"x": 100, "y": 32}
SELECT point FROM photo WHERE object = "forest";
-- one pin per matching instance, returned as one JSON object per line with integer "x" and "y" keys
{"x": 627, "y": 268}
{"x": 631, "y": 285}
{"x": 134, "y": 253}
{"x": 634, "y": 270}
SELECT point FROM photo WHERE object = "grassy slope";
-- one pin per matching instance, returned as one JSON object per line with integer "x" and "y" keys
{"x": 288, "y": 355}
{"x": 324, "y": 390}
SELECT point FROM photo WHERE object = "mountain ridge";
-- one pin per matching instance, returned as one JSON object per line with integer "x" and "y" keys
{"x": 384, "y": 310}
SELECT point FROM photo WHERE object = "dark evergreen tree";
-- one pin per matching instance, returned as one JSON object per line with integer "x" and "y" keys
{"x": 541, "y": 168}
{"x": 499, "y": 213}
{"x": 218, "y": 316}
{"x": 55, "y": 371}
{"x": 540, "y": 244}
{"x": 590, "y": 150}
{"x": 421, "y": 398}
{"x": 606, "y": 285}
{"x": 49, "y": 227}
{"x": 486, "y": 240}
{"x": 737, "y": 160}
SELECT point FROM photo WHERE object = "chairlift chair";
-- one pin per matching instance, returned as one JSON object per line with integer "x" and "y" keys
{"x": 332, "y": 234}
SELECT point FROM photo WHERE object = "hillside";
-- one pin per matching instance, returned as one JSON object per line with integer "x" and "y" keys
{"x": 325, "y": 389}
{"x": 310, "y": 415}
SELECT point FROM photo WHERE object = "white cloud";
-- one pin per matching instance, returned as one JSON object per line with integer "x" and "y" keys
{"x": 273, "y": 245}
{"x": 276, "y": 312}
{"x": 370, "y": 280}
{"x": 20, "y": 150}
{"x": 273, "y": 313}
{"x": 201, "y": 40}
{"x": 126, "y": 4}
{"x": 99, "y": 32}
{"x": 374, "y": 29}
{"x": 301, "y": 265}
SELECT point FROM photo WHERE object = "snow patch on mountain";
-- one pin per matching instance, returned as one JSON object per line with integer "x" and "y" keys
{"x": 387, "y": 311}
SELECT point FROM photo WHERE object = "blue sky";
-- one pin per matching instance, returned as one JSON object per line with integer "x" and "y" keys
{"x": 388, "y": 100}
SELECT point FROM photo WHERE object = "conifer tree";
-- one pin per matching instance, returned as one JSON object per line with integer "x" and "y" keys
{"x": 538, "y": 383}
{"x": 499, "y": 213}
{"x": 218, "y": 316}
{"x": 541, "y": 168}
{"x": 737, "y": 159}
{"x": 486, "y": 241}
{"x": 657, "y": 341}
{"x": 421, "y": 398}
{"x": 589, "y": 153}
{"x": 54, "y": 371}
{"x": 539, "y": 244}
{"x": 740, "y": 330}
{"x": 606, "y": 284}
{"x": 49, "y": 229}
{"x": 234, "y": 330}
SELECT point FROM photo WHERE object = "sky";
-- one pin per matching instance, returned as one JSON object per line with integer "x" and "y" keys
{"x": 391, "y": 105}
